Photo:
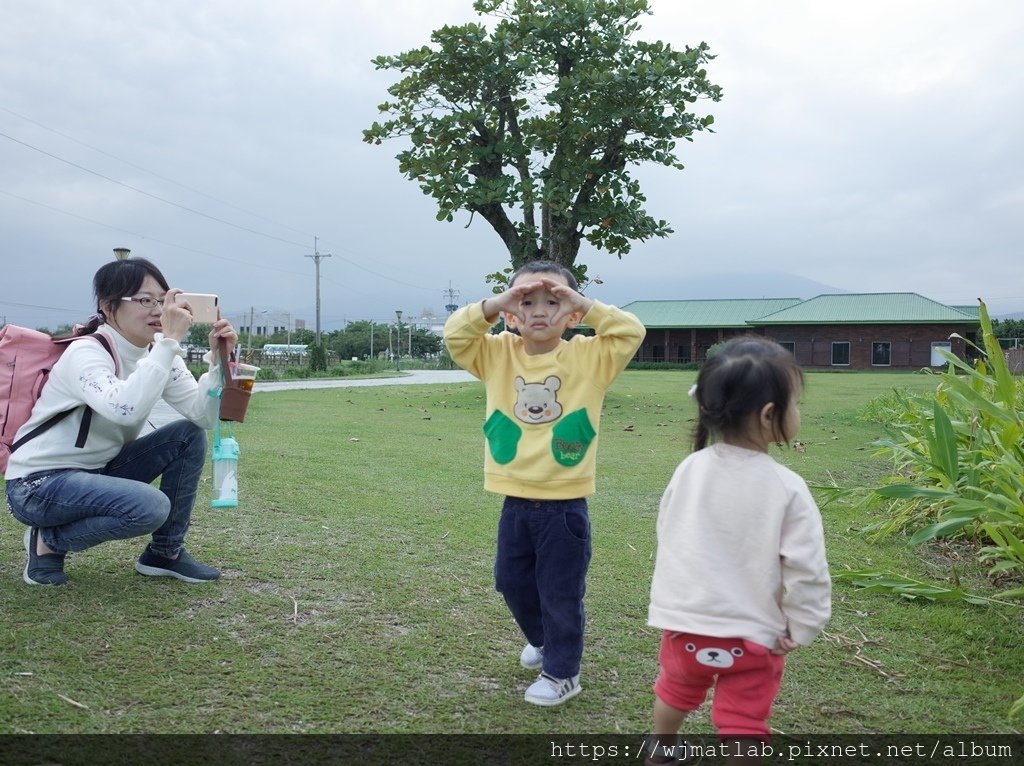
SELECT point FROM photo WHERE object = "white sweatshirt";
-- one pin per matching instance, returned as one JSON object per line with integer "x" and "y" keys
{"x": 741, "y": 551}
{"x": 84, "y": 374}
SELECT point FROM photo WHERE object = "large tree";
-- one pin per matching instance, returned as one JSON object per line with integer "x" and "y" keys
{"x": 535, "y": 125}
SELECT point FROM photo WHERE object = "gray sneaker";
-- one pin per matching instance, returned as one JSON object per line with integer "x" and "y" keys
{"x": 532, "y": 657}
{"x": 548, "y": 691}
{"x": 184, "y": 567}
{"x": 42, "y": 569}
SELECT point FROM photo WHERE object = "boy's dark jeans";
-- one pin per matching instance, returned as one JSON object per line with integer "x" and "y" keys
{"x": 541, "y": 570}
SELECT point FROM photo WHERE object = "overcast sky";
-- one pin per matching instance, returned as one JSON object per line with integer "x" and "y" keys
{"x": 860, "y": 146}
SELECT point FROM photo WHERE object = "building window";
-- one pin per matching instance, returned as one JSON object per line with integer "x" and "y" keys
{"x": 789, "y": 345}
{"x": 658, "y": 353}
{"x": 938, "y": 360}
{"x": 841, "y": 353}
{"x": 684, "y": 353}
{"x": 881, "y": 354}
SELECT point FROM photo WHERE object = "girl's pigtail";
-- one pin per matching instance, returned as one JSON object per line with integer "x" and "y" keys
{"x": 700, "y": 435}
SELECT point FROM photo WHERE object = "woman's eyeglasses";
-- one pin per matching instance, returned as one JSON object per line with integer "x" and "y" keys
{"x": 146, "y": 302}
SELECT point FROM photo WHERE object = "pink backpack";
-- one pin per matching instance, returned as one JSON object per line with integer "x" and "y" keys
{"x": 26, "y": 358}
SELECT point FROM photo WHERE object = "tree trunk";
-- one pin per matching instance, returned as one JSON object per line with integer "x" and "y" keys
{"x": 562, "y": 240}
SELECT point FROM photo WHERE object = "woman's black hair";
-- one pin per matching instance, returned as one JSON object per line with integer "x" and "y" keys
{"x": 116, "y": 280}
{"x": 738, "y": 380}
{"x": 544, "y": 267}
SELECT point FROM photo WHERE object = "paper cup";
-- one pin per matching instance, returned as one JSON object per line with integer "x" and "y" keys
{"x": 244, "y": 375}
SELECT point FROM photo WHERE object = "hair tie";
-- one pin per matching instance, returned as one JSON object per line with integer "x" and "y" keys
{"x": 98, "y": 318}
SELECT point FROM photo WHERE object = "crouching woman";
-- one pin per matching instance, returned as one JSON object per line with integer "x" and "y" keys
{"x": 87, "y": 478}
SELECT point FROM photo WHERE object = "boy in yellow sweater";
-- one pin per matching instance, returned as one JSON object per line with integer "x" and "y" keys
{"x": 544, "y": 399}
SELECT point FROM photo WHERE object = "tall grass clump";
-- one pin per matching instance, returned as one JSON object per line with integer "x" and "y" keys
{"x": 958, "y": 472}
{"x": 959, "y": 461}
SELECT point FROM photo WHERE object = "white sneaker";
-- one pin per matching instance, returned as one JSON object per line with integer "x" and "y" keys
{"x": 532, "y": 657}
{"x": 547, "y": 691}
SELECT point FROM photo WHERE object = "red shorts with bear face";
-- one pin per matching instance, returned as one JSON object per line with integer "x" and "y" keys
{"x": 746, "y": 678}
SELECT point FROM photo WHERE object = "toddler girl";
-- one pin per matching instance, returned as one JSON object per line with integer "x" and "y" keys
{"x": 740, "y": 577}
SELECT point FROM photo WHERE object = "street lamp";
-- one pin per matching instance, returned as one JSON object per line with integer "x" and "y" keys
{"x": 398, "y": 356}
{"x": 121, "y": 253}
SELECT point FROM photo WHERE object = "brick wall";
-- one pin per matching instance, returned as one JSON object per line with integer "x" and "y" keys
{"x": 910, "y": 346}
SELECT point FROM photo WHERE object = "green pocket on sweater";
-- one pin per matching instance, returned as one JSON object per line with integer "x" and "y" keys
{"x": 571, "y": 438}
{"x": 502, "y": 437}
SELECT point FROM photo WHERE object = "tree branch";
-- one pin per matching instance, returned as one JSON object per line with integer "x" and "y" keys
{"x": 613, "y": 159}
{"x": 521, "y": 163}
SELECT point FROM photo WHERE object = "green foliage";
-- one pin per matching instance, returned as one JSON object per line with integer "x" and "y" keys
{"x": 317, "y": 358}
{"x": 713, "y": 349}
{"x": 297, "y": 373}
{"x": 1018, "y": 709}
{"x": 199, "y": 335}
{"x": 959, "y": 461}
{"x": 959, "y": 470}
{"x": 545, "y": 114}
{"x": 362, "y": 339}
{"x": 888, "y": 582}
{"x": 500, "y": 279}
{"x": 663, "y": 366}
{"x": 359, "y": 367}
{"x": 1008, "y": 328}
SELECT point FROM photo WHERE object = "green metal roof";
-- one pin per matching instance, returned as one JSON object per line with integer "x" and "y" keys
{"x": 974, "y": 310}
{"x": 867, "y": 308}
{"x": 733, "y": 312}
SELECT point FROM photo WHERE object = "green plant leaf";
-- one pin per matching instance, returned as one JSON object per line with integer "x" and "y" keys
{"x": 873, "y": 580}
{"x": 941, "y": 529}
{"x": 908, "y": 491}
{"x": 944, "y": 448}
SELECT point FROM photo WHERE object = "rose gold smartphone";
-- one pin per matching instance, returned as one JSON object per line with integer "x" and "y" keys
{"x": 204, "y": 306}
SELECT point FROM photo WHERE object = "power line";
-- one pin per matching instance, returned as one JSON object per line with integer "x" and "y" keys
{"x": 182, "y": 207}
{"x": 148, "y": 194}
{"x": 141, "y": 236}
{"x": 150, "y": 172}
{"x": 353, "y": 263}
{"x": 382, "y": 276}
{"x": 205, "y": 252}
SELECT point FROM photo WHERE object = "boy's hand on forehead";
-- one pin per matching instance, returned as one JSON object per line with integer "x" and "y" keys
{"x": 523, "y": 288}
{"x": 569, "y": 300}
{"x": 510, "y": 301}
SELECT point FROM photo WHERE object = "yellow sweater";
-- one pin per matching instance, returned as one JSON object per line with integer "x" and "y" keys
{"x": 543, "y": 410}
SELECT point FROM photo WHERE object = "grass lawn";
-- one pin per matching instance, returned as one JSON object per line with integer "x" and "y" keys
{"x": 357, "y": 593}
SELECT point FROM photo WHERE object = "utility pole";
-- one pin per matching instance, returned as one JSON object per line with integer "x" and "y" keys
{"x": 452, "y": 298}
{"x": 398, "y": 340}
{"x": 317, "y": 256}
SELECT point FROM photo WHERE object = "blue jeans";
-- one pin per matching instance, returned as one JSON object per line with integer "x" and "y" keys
{"x": 541, "y": 570}
{"x": 76, "y": 509}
